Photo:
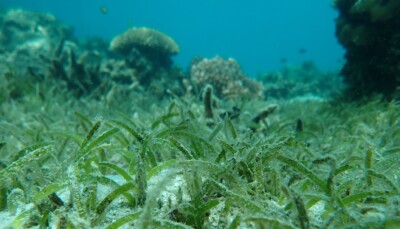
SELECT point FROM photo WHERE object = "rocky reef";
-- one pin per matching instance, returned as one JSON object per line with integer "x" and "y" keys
{"x": 368, "y": 30}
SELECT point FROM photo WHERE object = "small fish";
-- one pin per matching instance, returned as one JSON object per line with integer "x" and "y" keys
{"x": 129, "y": 23}
{"x": 104, "y": 10}
{"x": 283, "y": 60}
{"x": 302, "y": 50}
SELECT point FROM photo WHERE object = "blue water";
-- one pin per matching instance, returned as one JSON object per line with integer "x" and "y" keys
{"x": 257, "y": 33}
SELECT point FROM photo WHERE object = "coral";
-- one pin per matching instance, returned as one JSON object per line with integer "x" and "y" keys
{"x": 367, "y": 31}
{"x": 18, "y": 26}
{"x": 79, "y": 69}
{"x": 297, "y": 82}
{"x": 144, "y": 38}
{"x": 36, "y": 46}
{"x": 27, "y": 39}
{"x": 148, "y": 53}
{"x": 118, "y": 71}
{"x": 378, "y": 10}
{"x": 225, "y": 76}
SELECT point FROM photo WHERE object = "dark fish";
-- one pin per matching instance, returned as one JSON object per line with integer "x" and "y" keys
{"x": 129, "y": 24}
{"x": 299, "y": 125}
{"x": 302, "y": 50}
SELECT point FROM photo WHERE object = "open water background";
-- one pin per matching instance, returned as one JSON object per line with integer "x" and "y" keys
{"x": 262, "y": 35}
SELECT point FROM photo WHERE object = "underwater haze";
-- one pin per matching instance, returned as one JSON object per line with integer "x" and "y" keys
{"x": 263, "y": 35}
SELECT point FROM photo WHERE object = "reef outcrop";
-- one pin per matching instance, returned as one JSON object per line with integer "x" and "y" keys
{"x": 369, "y": 31}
